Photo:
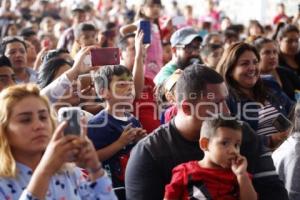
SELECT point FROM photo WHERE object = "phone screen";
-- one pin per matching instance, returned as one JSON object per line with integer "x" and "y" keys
{"x": 145, "y": 26}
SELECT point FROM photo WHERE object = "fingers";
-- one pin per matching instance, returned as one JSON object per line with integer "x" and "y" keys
{"x": 128, "y": 127}
{"x": 58, "y": 133}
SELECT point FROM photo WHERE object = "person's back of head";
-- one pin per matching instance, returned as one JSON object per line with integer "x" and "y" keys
{"x": 4, "y": 62}
{"x": 7, "y": 75}
{"x": 123, "y": 42}
{"x": 104, "y": 77}
{"x": 49, "y": 70}
{"x": 54, "y": 53}
{"x": 191, "y": 85}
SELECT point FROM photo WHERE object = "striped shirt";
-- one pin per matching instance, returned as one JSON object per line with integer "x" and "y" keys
{"x": 266, "y": 116}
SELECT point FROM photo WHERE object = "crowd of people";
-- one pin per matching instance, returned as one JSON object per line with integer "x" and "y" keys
{"x": 207, "y": 109}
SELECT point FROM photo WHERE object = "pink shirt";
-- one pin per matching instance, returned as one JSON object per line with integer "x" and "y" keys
{"x": 153, "y": 61}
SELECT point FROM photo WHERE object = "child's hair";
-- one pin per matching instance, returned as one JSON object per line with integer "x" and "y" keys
{"x": 167, "y": 86}
{"x": 140, "y": 14}
{"x": 209, "y": 127}
{"x": 82, "y": 27}
{"x": 4, "y": 62}
{"x": 103, "y": 77}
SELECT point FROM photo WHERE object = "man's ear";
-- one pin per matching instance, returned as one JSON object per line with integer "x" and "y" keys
{"x": 203, "y": 143}
{"x": 186, "y": 107}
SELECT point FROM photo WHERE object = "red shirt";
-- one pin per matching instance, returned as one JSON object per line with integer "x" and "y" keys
{"x": 145, "y": 108}
{"x": 191, "y": 180}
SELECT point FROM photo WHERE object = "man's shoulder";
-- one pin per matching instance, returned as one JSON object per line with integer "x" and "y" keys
{"x": 157, "y": 139}
{"x": 165, "y": 72}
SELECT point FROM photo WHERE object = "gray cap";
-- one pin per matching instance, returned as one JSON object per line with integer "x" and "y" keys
{"x": 78, "y": 7}
{"x": 184, "y": 36}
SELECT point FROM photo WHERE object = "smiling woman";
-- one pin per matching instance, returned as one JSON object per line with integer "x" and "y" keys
{"x": 239, "y": 66}
{"x": 34, "y": 160}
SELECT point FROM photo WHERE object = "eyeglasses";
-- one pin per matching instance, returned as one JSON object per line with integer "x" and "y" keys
{"x": 189, "y": 48}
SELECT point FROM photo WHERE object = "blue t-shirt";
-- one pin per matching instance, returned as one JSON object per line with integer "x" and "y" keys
{"x": 103, "y": 130}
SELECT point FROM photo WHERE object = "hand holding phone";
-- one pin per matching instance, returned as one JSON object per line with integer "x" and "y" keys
{"x": 72, "y": 115}
{"x": 128, "y": 135}
{"x": 145, "y": 26}
{"x": 281, "y": 123}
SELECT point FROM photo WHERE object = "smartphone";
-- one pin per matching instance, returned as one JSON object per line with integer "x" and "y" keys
{"x": 72, "y": 116}
{"x": 105, "y": 56}
{"x": 145, "y": 26}
{"x": 281, "y": 123}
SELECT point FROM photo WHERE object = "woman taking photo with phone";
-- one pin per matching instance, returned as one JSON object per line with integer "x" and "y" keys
{"x": 34, "y": 163}
{"x": 258, "y": 105}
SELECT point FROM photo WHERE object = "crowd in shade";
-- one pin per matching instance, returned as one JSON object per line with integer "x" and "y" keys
{"x": 102, "y": 100}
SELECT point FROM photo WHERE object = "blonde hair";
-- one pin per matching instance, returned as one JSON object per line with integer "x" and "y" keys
{"x": 9, "y": 97}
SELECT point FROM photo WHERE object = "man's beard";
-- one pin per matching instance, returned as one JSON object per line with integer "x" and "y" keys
{"x": 182, "y": 64}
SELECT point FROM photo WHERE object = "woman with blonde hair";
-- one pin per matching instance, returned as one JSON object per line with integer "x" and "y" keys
{"x": 34, "y": 163}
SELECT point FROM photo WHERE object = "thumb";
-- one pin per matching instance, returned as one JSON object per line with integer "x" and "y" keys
{"x": 58, "y": 133}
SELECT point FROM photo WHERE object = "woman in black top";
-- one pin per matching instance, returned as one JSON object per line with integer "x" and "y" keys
{"x": 286, "y": 78}
{"x": 289, "y": 56}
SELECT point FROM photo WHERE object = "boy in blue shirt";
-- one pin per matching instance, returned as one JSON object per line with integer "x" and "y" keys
{"x": 114, "y": 131}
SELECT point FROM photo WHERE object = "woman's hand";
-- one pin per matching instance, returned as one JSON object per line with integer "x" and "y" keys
{"x": 61, "y": 149}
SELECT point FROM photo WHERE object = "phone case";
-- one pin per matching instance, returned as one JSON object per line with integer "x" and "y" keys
{"x": 146, "y": 27}
{"x": 281, "y": 123}
{"x": 72, "y": 116}
{"x": 105, "y": 56}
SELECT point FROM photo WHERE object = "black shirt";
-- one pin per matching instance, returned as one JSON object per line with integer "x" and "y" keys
{"x": 151, "y": 162}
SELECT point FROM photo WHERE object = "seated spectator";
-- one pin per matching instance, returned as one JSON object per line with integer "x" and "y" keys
{"x": 253, "y": 102}
{"x": 288, "y": 38}
{"x": 269, "y": 68}
{"x": 222, "y": 173}
{"x": 287, "y": 161}
{"x": 7, "y": 74}
{"x": 151, "y": 161}
{"x": 114, "y": 131}
{"x": 85, "y": 34}
{"x": 15, "y": 49}
{"x": 185, "y": 44}
{"x": 211, "y": 54}
{"x": 35, "y": 164}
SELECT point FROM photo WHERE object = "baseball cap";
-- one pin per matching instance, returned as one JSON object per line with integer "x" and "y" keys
{"x": 78, "y": 7}
{"x": 184, "y": 36}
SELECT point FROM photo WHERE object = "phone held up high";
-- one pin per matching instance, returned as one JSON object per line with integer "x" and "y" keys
{"x": 72, "y": 115}
{"x": 145, "y": 26}
{"x": 105, "y": 56}
{"x": 281, "y": 123}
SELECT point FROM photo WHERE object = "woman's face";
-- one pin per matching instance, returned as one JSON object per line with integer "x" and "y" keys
{"x": 29, "y": 129}
{"x": 269, "y": 57}
{"x": 246, "y": 71}
{"x": 290, "y": 43}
